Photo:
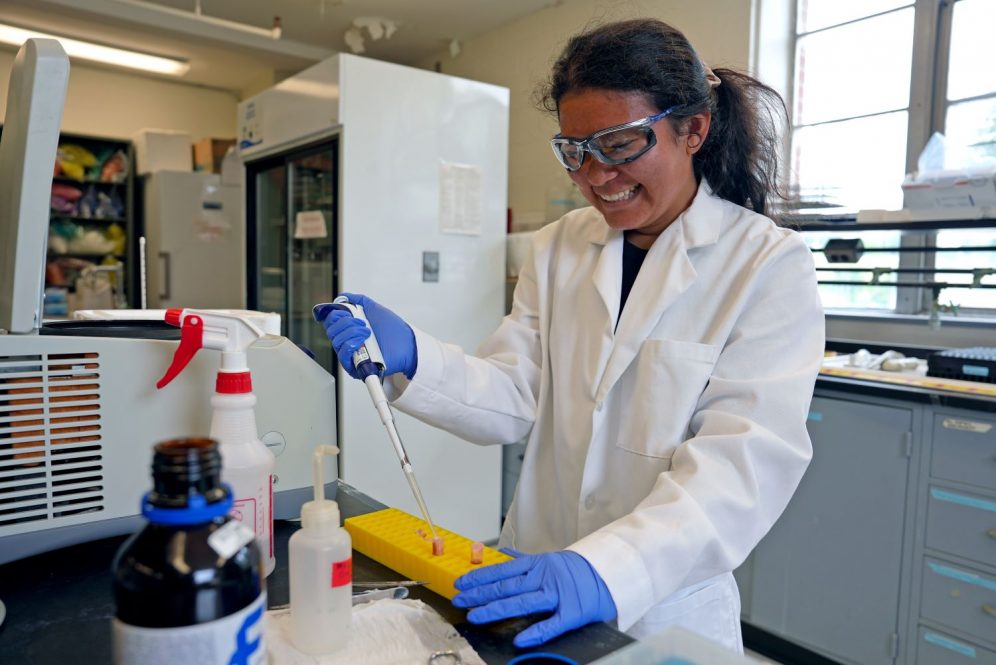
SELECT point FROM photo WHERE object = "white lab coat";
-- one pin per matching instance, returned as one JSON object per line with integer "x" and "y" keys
{"x": 661, "y": 449}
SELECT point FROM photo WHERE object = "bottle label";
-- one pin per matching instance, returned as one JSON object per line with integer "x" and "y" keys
{"x": 254, "y": 508}
{"x": 244, "y": 510}
{"x": 342, "y": 573}
{"x": 236, "y": 639}
{"x": 230, "y": 538}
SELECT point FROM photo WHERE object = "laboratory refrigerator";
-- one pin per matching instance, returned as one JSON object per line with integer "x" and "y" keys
{"x": 369, "y": 177}
{"x": 195, "y": 242}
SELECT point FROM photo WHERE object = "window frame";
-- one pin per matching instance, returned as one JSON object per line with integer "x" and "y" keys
{"x": 774, "y": 60}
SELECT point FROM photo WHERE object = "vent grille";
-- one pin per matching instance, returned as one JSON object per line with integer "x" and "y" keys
{"x": 51, "y": 448}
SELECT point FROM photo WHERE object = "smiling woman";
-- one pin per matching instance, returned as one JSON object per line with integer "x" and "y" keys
{"x": 660, "y": 353}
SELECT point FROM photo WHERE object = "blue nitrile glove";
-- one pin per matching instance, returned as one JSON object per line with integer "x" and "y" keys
{"x": 560, "y": 582}
{"x": 347, "y": 333}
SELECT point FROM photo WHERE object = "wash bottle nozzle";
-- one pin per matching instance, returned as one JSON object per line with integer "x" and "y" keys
{"x": 320, "y": 512}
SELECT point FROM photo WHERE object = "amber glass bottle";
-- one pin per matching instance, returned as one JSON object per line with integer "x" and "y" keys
{"x": 189, "y": 586}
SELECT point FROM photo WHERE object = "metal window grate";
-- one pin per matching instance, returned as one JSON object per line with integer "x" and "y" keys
{"x": 51, "y": 447}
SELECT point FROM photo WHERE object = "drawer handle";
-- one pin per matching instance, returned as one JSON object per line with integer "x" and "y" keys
{"x": 989, "y": 609}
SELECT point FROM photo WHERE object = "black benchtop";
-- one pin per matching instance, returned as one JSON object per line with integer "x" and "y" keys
{"x": 60, "y": 603}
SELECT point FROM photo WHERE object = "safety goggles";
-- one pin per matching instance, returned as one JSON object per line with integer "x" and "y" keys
{"x": 620, "y": 144}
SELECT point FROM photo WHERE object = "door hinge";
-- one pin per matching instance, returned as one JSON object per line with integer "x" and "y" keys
{"x": 894, "y": 646}
{"x": 908, "y": 444}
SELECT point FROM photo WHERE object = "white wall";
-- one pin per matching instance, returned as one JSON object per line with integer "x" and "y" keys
{"x": 105, "y": 102}
{"x": 519, "y": 56}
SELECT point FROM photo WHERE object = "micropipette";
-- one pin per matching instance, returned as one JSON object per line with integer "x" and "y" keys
{"x": 369, "y": 364}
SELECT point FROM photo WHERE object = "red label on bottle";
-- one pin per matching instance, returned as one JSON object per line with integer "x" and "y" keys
{"x": 342, "y": 573}
{"x": 270, "y": 479}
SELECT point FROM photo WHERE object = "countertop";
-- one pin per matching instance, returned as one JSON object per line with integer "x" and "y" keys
{"x": 60, "y": 603}
{"x": 976, "y": 396}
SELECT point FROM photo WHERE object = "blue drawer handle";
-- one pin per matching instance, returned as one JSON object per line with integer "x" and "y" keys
{"x": 961, "y": 576}
{"x": 962, "y": 500}
{"x": 944, "y": 642}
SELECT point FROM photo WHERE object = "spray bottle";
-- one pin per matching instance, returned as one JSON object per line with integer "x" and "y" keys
{"x": 321, "y": 572}
{"x": 247, "y": 464}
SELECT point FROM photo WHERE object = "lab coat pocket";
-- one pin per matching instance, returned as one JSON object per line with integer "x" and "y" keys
{"x": 659, "y": 392}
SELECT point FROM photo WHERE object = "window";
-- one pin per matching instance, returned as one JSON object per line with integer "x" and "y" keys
{"x": 871, "y": 81}
{"x": 851, "y": 105}
{"x": 970, "y": 100}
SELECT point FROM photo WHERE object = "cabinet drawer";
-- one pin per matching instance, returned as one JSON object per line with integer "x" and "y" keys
{"x": 964, "y": 450}
{"x": 961, "y": 598}
{"x": 936, "y": 648}
{"x": 963, "y": 524}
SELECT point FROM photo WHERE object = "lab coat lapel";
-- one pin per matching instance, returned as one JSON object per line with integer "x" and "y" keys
{"x": 667, "y": 272}
{"x": 607, "y": 274}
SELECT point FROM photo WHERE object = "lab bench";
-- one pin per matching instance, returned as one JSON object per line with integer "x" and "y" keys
{"x": 60, "y": 603}
{"x": 887, "y": 552}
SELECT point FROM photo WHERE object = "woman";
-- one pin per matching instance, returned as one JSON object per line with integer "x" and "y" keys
{"x": 660, "y": 354}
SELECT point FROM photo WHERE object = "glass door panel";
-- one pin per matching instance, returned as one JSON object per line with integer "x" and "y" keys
{"x": 271, "y": 241}
{"x": 311, "y": 177}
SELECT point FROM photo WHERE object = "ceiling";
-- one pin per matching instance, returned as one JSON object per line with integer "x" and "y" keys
{"x": 226, "y": 56}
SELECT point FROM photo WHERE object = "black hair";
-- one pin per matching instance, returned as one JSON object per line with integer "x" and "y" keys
{"x": 740, "y": 155}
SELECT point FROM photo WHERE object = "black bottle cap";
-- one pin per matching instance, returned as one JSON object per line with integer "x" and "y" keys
{"x": 182, "y": 468}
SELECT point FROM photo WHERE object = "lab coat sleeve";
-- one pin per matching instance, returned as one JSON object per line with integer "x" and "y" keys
{"x": 489, "y": 398}
{"x": 747, "y": 452}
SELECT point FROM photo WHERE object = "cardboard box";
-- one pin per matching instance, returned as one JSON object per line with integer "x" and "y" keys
{"x": 209, "y": 152}
{"x": 946, "y": 189}
{"x": 161, "y": 150}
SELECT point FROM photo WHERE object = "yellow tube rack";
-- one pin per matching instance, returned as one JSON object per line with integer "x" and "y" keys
{"x": 392, "y": 538}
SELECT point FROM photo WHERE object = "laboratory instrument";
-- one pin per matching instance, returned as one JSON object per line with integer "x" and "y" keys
{"x": 369, "y": 363}
{"x": 365, "y": 175}
{"x": 189, "y": 586}
{"x": 247, "y": 464}
{"x": 320, "y": 560}
{"x": 382, "y": 585}
{"x": 977, "y": 363}
{"x": 394, "y": 593}
{"x": 75, "y": 396}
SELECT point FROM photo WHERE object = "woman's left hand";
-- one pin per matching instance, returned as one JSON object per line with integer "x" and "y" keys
{"x": 560, "y": 582}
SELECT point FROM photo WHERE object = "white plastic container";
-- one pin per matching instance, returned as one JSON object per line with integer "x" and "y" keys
{"x": 247, "y": 465}
{"x": 320, "y": 558}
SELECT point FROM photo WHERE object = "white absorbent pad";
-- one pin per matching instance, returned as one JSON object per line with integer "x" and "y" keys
{"x": 383, "y": 632}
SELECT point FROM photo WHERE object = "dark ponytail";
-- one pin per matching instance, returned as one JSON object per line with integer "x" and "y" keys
{"x": 740, "y": 155}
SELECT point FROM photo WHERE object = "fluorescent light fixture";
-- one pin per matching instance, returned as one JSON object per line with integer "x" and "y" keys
{"x": 98, "y": 53}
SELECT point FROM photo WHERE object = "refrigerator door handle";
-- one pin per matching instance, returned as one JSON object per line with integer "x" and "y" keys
{"x": 166, "y": 277}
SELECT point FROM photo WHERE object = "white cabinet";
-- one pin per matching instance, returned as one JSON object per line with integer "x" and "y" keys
{"x": 828, "y": 575}
{"x": 887, "y": 552}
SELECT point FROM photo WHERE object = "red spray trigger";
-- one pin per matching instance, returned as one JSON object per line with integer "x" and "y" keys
{"x": 191, "y": 341}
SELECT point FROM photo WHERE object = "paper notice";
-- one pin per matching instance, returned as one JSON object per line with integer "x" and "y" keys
{"x": 461, "y": 206}
{"x": 310, "y": 224}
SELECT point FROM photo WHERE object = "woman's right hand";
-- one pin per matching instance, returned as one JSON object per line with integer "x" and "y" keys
{"x": 347, "y": 334}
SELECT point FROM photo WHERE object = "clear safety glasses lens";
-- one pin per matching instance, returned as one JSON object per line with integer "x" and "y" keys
{"x": 618, "y": 146}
